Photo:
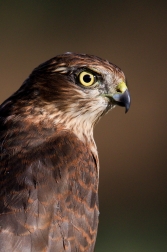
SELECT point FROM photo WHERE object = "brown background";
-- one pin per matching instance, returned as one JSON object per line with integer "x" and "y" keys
{"x": 132, "y": 147}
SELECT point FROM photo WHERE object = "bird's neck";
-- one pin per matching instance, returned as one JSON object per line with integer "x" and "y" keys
{"x": 77, "y": 123}
{"x": 82, "y": 126}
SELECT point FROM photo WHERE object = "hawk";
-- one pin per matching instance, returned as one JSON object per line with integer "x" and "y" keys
{"x": 49, "y": 167}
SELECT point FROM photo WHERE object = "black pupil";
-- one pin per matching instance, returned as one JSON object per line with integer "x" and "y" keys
{"x": 87, "y": 78}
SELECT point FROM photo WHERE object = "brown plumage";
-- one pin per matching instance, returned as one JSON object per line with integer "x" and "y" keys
{"x": 48, "y": 158}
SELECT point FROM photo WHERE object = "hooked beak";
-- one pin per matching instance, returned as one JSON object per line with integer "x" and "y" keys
{"x": 122, "y": 96}
{"x": 122, "y": 99}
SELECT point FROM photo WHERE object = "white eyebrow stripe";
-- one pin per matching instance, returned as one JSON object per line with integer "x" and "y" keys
{"x": 65, "y": 69}
{"x": 61, "y": 69}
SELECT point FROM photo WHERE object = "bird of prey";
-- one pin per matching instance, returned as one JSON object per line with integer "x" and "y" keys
{"x": 49, "y": 167}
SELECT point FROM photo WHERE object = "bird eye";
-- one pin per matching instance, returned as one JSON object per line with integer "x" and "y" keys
{"x": 86, "y": 78}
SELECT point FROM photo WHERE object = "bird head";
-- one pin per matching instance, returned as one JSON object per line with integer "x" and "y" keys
{"x": 71, "y": 90}
{"x": 81, "y": 85}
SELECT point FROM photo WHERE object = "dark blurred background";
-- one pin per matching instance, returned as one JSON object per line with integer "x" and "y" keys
{"x": 132, "y": 147}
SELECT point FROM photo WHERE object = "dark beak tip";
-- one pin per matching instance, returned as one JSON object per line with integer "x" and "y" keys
{"x": 127, "y": 101}
{"x": 127, "y": 109}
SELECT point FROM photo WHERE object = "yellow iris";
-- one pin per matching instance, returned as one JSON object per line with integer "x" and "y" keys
{"x": 86, "y": 79}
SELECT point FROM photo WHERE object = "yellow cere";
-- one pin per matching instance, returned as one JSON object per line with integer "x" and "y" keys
{"x": 86, "y": 78}
{"x": 121, "y": 87}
